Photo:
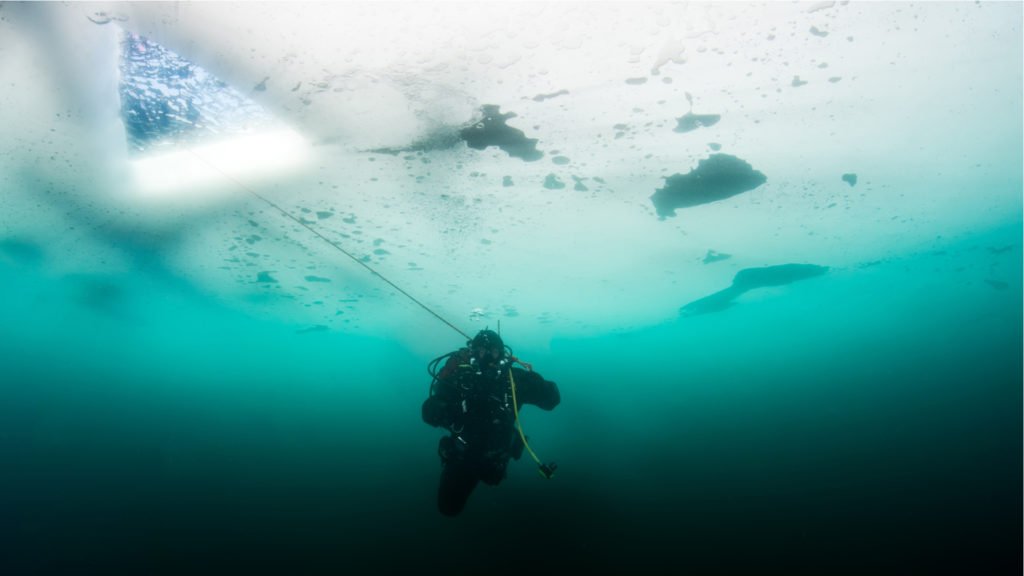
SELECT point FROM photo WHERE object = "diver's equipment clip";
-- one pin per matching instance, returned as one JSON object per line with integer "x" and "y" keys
{"x": 547, "y": 470}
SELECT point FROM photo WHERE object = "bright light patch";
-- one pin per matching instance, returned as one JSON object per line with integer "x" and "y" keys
{"x": 194, "y": 137}
{"x": 221, "y": 168}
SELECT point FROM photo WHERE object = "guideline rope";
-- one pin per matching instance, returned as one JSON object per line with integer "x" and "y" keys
{"x": 334, "y": 244}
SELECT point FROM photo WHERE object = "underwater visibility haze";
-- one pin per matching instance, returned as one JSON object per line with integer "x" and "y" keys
{"x": 769, "y": 252}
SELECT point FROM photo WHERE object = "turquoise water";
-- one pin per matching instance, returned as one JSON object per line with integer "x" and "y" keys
{"x": 867, "y": 421}
{"x": 193, "y": 383}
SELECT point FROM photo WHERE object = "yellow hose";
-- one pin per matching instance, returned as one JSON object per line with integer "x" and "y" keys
{"x": 519, "y": 426}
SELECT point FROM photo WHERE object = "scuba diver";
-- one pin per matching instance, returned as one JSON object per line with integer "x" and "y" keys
{"x": 476, "y": 397}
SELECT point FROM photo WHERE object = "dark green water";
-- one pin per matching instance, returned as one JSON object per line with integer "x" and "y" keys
{"x": 864, "y": 422}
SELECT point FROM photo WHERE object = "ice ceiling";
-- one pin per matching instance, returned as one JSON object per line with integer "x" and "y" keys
{"x": 562, "y": 167}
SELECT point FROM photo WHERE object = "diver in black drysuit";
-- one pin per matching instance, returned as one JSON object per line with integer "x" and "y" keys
{"x": 471, "y": 397}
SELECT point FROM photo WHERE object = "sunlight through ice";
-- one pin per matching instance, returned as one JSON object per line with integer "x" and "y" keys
{"x": 193, "y": 172}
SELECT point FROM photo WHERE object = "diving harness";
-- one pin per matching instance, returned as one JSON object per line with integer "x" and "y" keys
{"x": 546, "y": 470}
